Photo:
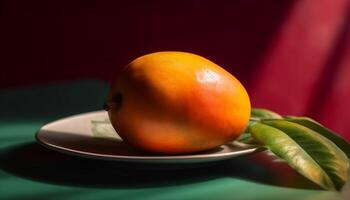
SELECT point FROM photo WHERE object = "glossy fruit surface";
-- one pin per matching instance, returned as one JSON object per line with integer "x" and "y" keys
{"x": 177, "y": 102}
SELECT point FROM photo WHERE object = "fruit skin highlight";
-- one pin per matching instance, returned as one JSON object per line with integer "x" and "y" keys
{"x": 177, "y": 103}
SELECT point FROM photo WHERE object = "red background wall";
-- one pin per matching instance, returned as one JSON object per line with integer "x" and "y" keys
{"x": 292, "y": 56}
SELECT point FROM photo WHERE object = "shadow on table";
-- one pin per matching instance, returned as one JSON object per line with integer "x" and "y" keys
{"x": 35, "y": 162}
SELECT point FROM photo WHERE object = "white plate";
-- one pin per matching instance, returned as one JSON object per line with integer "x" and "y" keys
{"x": 91, "y": 135}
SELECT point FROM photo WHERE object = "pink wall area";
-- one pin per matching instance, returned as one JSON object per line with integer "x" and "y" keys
{"x": 292, "y": 56}
{"x": 306, "y": 68}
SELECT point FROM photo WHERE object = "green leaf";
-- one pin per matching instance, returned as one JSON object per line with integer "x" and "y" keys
{"x": 317, "y": 127}
{"x": 262, "y": 113}
{"x": 309, "y": 153}
{"x": 246, "y": 138}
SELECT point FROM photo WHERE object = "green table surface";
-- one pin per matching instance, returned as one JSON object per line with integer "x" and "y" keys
{"x": 30, "y": 171}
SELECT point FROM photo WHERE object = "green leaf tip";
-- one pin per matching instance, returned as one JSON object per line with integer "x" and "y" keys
{"x": 309, "y": 153}
{"x": 262, "y": 113}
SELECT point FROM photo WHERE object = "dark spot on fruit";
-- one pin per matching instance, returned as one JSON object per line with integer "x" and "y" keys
{"x": 114, "y": 103}
{"x": 117, "y": 100}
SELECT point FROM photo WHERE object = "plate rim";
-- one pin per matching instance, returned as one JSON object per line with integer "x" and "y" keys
{"x": 174, "y": 158}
